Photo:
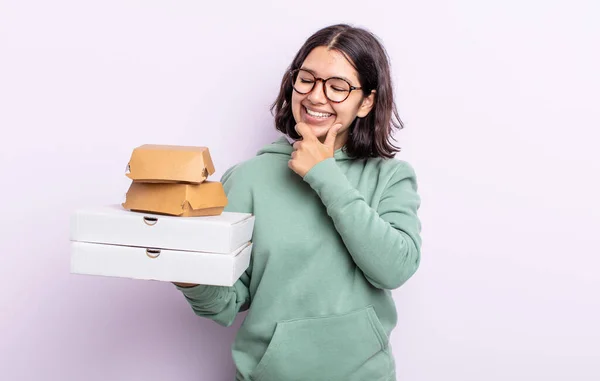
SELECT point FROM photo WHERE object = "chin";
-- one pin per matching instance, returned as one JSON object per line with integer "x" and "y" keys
{"x": 320, "y": 131}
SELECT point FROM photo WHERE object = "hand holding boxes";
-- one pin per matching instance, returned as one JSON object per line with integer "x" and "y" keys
{"x": 175, "y": 229}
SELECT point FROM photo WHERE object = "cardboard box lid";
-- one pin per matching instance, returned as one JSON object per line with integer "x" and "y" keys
{"x": 112, "y": 224}
{"x": 170, "y": 163}
{"x": 175, "y": 198}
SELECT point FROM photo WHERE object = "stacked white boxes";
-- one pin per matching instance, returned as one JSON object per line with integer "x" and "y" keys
{"x": 112, "y": 241}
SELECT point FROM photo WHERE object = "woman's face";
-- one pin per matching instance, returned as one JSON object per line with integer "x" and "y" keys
{"x": 320, "y": 113}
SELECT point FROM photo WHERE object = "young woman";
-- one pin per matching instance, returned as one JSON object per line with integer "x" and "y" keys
{"x": 336, "y": 223}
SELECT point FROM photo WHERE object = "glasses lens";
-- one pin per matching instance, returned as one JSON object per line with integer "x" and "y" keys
{"x": 337, "y": 89}
{"x": 304, "y": 81}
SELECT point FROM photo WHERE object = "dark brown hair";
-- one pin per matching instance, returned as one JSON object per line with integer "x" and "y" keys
{"x": 370, "y": 136}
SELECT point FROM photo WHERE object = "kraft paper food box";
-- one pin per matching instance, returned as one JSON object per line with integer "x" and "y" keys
{"x": 177, "y": 199}
{"x": 170, "y": 163}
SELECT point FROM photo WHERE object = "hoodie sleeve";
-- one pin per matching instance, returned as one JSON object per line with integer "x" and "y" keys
{"x": 220, "y": 303}
{"x": 384, "y": 242}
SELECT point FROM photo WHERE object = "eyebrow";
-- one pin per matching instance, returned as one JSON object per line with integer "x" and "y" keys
{"x": 335, "y": 76}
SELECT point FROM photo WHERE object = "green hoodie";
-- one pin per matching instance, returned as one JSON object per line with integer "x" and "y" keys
{"x": 328, "y": 250}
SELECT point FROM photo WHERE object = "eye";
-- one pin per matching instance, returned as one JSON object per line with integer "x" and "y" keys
{"x": 337, "y": 85}
{"x": 306, "y": 80}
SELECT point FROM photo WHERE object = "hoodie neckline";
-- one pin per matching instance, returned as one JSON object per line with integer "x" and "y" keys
{"x": 283, "y": 146}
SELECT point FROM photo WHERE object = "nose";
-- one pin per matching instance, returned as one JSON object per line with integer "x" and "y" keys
{"x": 317, "y": 95}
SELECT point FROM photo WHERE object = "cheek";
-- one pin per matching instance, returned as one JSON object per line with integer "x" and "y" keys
{"x": 297, "y": 99}
{"x": 345, "y": 113}
{"x": 296, "y": 104}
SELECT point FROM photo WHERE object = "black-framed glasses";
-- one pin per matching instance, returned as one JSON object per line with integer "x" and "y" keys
{"x": 336, "y": 89}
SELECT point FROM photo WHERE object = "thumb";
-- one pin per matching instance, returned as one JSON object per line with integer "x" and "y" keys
{"x": 331, "y": 135}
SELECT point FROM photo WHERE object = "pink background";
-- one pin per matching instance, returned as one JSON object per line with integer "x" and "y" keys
{"x": 500, "y": 101}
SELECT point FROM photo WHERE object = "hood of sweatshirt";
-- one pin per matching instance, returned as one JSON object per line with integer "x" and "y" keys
{"x": 283, "y": 146}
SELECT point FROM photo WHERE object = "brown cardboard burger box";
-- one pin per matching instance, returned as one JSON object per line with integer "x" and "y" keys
{"x": 171, "y": 180}
{"x": 152, "y": 163}
{"x": 185, "y": 200}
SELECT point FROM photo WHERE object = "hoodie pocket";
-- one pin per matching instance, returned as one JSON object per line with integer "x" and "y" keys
{"x": 345, "y": 347}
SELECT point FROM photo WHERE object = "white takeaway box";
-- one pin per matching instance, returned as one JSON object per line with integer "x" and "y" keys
{"x": 159, "y": 264}
{"x": 115, "y": 225}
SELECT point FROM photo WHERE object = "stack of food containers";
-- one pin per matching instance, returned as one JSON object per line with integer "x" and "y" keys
{"x": 171, "y": 227}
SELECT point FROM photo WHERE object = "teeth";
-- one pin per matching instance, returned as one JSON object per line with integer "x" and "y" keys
{"x": 318, "y": 114}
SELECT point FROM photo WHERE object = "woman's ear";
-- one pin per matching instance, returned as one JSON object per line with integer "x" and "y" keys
{"x": 367, "y": 105}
